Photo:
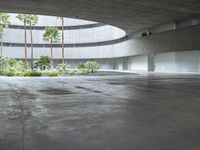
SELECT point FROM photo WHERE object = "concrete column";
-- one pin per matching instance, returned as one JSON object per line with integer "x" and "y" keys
{"x": 151, "y": 62}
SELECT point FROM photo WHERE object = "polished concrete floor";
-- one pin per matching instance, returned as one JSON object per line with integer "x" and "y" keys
{"x": 129, "y": 112}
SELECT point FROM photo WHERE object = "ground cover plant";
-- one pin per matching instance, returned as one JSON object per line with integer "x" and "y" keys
{"x": 42, "y": 67}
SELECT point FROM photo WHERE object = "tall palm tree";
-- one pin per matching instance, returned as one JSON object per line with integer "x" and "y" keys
{"x": 4, "y": 23}
{"x": 63, "y": 36}
{"x": 51, "y": 35}
{"x": 63, "y": 46}
{"x": 23, "y": 18}
{"x": 1, "y": 36}
{"x": 31, "y": 21}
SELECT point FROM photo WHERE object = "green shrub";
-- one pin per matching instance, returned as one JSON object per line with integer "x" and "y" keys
{"x": 81, "y": 65}
{"x": 36, "y": 73}
{"x": 71, "y": 72}
{"x": 27, "y": 72}
{"x": 62, "y": 68}
{"x": 19, "y": 73}
{"x": 53, "y": 73}
{"x": 44, "y": 72}
{"x": 78, "y": 72}
{"x": 88, "y": 67}
{"x": 82, "y": 71}
{"x": 22, "y": 65}
{"x": 10, "y": 73}
{"x": 102, "y": 74}
{"x": 10, "y": 66}
{"x": 91, "y": 66}
{"x": 30, "y": 72}
{"x": 43, "y": 62}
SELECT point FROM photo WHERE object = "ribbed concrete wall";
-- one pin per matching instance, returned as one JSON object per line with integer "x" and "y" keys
{"x": 87, "y": 35}
{"x": 183, "y": 39}
{"x": 188, "y": 61}
{"x": 138, "y": 63}
{"x": 177, "y": 40}
{"x": 123, "y": 63}
{"x": 109, "y": 51}
{"x": 183, "y": 62}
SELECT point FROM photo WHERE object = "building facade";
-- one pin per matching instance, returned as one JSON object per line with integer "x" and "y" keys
{"x": 172, "y": 47}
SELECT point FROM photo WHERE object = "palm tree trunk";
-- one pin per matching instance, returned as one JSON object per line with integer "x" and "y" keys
{"x": 1, "y": 49}
{"x": 31, "y": 46}
{"x": 25, "y": 43}
{"x": 51, "y": 54}
{"x": 63, "y": 49}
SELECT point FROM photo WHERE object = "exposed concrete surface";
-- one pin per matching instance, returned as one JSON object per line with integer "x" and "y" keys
{"x": 184, "y": 39}
{"x": 133, "y": 112}
{"x": 130, "y": 15}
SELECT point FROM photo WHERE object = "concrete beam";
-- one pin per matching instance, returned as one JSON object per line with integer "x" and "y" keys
{"x": 184, "y": 39}
{"x": 130, "y": 15}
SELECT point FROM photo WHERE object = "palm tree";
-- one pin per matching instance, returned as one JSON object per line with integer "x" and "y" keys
{"x": 31, "y": 21}
{"x": 4, "y": 23}
{"x": 23, "y": 18}
{"x": 52, "y": 35}
{"x": 1, "y": 36}
{"x": 63, "y": 45}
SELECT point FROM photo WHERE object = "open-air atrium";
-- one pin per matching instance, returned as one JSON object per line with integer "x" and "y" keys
{"x": 99, "y": 75}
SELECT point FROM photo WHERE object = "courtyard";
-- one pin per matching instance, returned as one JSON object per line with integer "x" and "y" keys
{"x": 147, "y": 111}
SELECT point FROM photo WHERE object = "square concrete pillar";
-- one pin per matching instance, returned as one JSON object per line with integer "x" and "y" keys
{"x": 151, "y": 62}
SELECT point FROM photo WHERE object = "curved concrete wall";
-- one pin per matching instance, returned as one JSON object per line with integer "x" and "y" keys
{"x": 87, "y": 35}
{"x": 176, "y": 40}
{"x": 108, "y": 51}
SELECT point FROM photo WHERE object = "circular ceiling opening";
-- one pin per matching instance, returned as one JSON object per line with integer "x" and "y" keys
{"x": 76, "y": 31}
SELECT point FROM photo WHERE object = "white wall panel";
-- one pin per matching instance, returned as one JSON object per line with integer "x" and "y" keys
{"x": 138, "y": 63}
{"x": 188, "y": 61}
{"x": 165, "y": 62}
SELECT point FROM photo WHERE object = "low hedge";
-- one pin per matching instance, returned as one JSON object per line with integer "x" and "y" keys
{"x": 35, "y": 73}
{"x": 31, "y": 73}
{"x": 53, "y": 73}
{"x": 10, "y": 73}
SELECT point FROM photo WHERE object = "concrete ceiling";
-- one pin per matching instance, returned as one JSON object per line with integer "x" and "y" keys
{"x": 130, "y": 15}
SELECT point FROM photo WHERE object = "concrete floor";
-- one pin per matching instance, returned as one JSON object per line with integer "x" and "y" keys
{"x": 131, "y": 112}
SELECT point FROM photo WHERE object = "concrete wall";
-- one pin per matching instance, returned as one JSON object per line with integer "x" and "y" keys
{"x": 105, "y": 64}
{"x": 184, "y": 39}
{"x": 195, "y": 20}
{"x": 87, "y": 35}
{"x": 188, "y": 61}
{"x": 172, "y": 62}
{"x": 138, "y": 63}
{"x": 96, "y": 52}
{"x": 153, "y": 30}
